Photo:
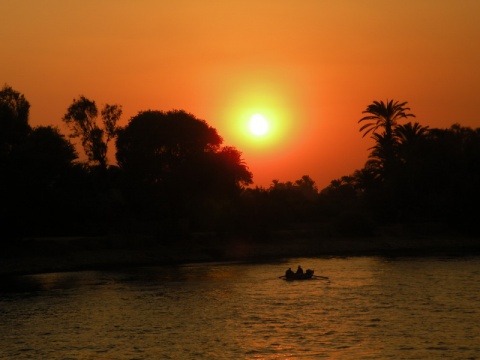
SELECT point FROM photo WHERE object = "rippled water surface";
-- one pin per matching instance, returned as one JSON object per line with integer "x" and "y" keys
{"x": 370, "y": 308}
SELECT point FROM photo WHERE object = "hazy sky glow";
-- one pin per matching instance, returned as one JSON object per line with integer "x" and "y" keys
{"x": 309, "y": 67}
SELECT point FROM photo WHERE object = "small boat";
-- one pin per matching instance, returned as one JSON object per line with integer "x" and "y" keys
{"x": 307, "y": 275}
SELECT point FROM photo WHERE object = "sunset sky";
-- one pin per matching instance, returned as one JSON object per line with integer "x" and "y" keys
{"x": 309, "y": 67}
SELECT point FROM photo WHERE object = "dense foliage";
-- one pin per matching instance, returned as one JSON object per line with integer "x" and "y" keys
{"x": 174, "y": 168}
{"x": 81, "y": 118}
{"x": 174, "y": 177}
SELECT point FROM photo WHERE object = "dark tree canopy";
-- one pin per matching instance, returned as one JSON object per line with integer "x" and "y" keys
{"x": 174, "y": 178}
{"x": 384, "y": 116}
{"x": 45, "y": 151}
{"x": 155, "y": 144}
{"x": 81, "y": 117}
{"x": 14, "y": 127}
{"x": 36, "y": 191}
{"x": 175, "y": 161}
{"x": 381, "y": 122}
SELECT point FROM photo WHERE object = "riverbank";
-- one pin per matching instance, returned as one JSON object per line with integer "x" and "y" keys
{"x": 41, "y": 255}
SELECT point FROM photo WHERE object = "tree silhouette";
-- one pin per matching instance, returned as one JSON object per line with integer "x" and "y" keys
{"x": 225, "y": 172}
{"x": 155, "y": 144}
{"x": 412, "y": 142}
{"x": 173, "y": 162}
{"x": 292, "y": 201}
{"x": 451, "y": 167}
{"x": 46, "y": 153}
{"x": 81, "y": 118}
{"x": 411, "y": 133}
{"x": 384, "y": 117}
{"x": 381, "y": 122}
{"x": 37, "y": 190}
{"x": 14, "y": 127}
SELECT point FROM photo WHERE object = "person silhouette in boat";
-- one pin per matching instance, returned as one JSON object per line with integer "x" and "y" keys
{"x": 289, "y": 273}
{"x": 299, "y": 270}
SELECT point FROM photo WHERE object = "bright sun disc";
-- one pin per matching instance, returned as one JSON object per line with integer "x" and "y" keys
{"x": 258, "y": 125}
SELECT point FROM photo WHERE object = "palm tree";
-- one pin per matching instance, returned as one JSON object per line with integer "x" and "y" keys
{"x": 384, "y": 116}
{"x": 411, "y": 133}
{"x": 411, "y": 137}
{"x": 378, "y": 154}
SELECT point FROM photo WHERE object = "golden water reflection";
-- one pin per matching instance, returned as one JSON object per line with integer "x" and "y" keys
{"x": 370, "y": 308}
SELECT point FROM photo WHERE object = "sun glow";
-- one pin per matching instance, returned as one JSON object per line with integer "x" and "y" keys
{"x": 258, "y": 125}
{"x": 258, "y": 115}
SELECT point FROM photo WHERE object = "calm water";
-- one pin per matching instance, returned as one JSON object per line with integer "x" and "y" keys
{"x": 370, "y": 308}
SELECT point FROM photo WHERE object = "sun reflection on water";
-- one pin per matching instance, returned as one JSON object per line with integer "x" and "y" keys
{"x": 371, "y": 308}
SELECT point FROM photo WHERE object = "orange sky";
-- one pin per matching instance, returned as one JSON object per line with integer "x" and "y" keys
{"x": 311, "y": 66}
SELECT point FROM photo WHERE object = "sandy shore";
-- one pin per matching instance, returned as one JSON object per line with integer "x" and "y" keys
{"x": 70, "y": 254}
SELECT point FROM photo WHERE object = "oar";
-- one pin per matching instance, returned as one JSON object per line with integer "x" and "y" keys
{"x": 322, "y": 277}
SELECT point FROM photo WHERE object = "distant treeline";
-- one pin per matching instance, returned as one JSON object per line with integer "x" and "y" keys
{"x": 173, "y": 177}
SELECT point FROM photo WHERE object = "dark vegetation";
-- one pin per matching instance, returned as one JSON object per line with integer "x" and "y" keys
{"x": 173, "y": 180}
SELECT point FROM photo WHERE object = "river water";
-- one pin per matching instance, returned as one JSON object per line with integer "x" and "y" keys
{"x": 369, "y": 308}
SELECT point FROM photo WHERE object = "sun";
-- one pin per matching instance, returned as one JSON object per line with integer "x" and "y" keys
{"x": 258, "y": 125}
